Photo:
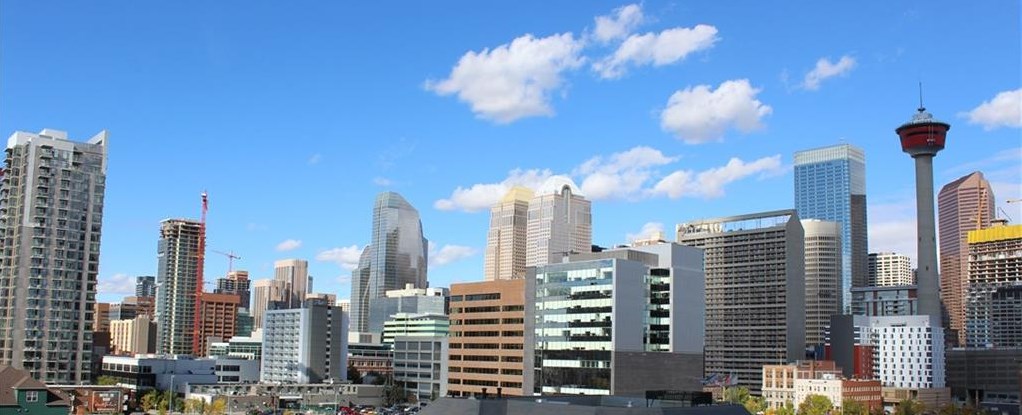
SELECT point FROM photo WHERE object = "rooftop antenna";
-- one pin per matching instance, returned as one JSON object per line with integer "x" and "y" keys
{"x": 921, "y": 107}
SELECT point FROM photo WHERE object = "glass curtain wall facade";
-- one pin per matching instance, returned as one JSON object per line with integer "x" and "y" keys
{"x": 830, "y": 184}
{"x": 396, "y": 256}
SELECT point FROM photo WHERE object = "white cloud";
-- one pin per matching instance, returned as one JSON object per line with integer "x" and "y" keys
{"x": 619, "y": 24}
{"x": 289, "y": 245}
{"x": 482, "y": 196}
{"x": 826, "y": 69}
{"x": 892, "y": 226}
{"x": 699, "y": 114}
{"x": 667, "y": 47}
{"x": 118, "y": 284}
{"x": 255, "y": 227}
{"x": 449, "y": 253}
{"x": 710, "y": 183}
{"x": 382, "y": 181}
{"x": 647, "y": 231}
{"x": 512, "y": 81}
{"x": 346, "y": 257}
{"x": 1004, "y": 110}
{"x": 622, "y": 175}
{"x": 315, "y": 159}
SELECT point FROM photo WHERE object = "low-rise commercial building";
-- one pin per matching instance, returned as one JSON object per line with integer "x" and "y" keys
{"x": 371, "y": 359}
{"x": 141, "y": 373}
{"x": 794, "y": 382}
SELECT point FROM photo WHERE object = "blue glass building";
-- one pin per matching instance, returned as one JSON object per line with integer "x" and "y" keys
{"x": 830, "y": 184}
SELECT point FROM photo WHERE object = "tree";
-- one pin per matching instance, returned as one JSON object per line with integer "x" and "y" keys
{"x": 910, "y": 407}
{"x": 787, "y": 409}
{"x": 151, "y": 400}
{"x": 194, "y": 405}
{"x": 217, "y": 407}
{"x": 737, "y": 395}
{"x": 354, "y": 375}
{"x": 106, "y": 380}
{"x": 815, "y": 405}
{"x": 853, "y": 407}
{"x": 755, "y": 404}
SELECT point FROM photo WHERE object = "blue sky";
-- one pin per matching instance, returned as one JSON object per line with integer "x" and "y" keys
{"x": 294, "y": 116}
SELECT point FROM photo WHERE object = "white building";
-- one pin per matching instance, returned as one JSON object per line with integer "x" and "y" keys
{"x": 887, "y": 269}
{"x": 507, "y": 239}
{"x": 161, "y": 372}
{"x": 420, "y": 365}
{"x": 305, "y": 345}
{"x": 828, "y": 385}
{"x": 559, "y": 224}
{"x": 908, "y": 353}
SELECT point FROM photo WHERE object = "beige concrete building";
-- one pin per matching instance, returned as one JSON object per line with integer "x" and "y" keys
{"x": 266, "y": 295}
{"x": 506, "y": 241}
{"x": 135, "y": 336}
{"x": 294, "y": 273}
{"x": 823, "y": 277}
{"x": 963, "y": 205}
{"x": 559, "y": 222}
{"x": 487, "y": 339}
{"x": 890, "y": 269}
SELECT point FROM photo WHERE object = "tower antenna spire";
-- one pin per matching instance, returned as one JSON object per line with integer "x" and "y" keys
{"x": 921, "y": 107}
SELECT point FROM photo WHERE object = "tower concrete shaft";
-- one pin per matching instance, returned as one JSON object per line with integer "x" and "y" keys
{"x": 922, "y": 138}
{"x": 927, "y": 277}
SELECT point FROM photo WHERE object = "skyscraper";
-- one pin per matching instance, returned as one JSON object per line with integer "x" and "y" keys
{"x": 395, "y": 256}
{"x": 964, "y": 205}
{"x": 888, "y": 269}
{"x": 559, "y": 222}
{"x": 830, "y": 184}
{"x": 994, "y": 279}
{"x": 236, "y": 282}
{"x": 755, "y": 291}
{"x": 506, "y": 241}
{"x": 218, "y": 319}
{"x": 294, "y": 273}
{"x": 51, "y": 217}
{"x": 267, "y": 295}
{"x": 177, "y": 278}
{"x": 145, "y": 286}
{"x": 823, "y": 277}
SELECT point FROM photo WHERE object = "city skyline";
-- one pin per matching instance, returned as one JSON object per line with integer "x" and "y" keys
{"x": 606, "y": 123}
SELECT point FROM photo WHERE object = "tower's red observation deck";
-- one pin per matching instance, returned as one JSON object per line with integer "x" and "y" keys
{"x": 923, "y": 134}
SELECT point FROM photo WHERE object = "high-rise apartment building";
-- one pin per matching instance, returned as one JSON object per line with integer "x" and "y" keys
{"x": 218, "y": 320}
{"x": 177, "y": 278}
{"x": 830, "y": 184}
{"x": 305, "y": 345}
{"x": 145, "y": 286}
{"x": 755, "y": 291}
{"x": 51, "y": 218}
{"x": 294, "y": 273}
{"x": 488, "y": 339}
{"x": 887, "y": 269}
{"x": 506, "y": 241}
{"x": 823, "y": 277}
{"x": 994, "y": 275}
{"x": 267, "y": 295}
{"x": 396, "y": 256}
{"x": 964, "y": 205}
{"x": 559, "y": 222}
{"x": 236, "y": 282}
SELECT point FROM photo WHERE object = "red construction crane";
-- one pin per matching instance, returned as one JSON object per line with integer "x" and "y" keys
{"x": 230, "y": 258}
{"x": 196, "y": 331}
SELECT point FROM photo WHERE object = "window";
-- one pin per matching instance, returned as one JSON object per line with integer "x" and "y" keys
{"x": 32, "y": 396}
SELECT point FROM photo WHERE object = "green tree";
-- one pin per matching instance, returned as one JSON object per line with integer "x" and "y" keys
{"x": 217, "y": 407}
{"x": 106, "y": 380}
{"x": 815, "y": 405}
{"x": 151, "y": 400}
{"x": 787, "y": 409}
{"x": 755, "y": 404}
{"x": 853, "y": 407}
{"x": 910, "y": 407}
{"x": 737, "y": 395}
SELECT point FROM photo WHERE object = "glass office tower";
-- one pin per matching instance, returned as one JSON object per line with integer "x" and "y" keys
{"x": 830, "y": 184}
